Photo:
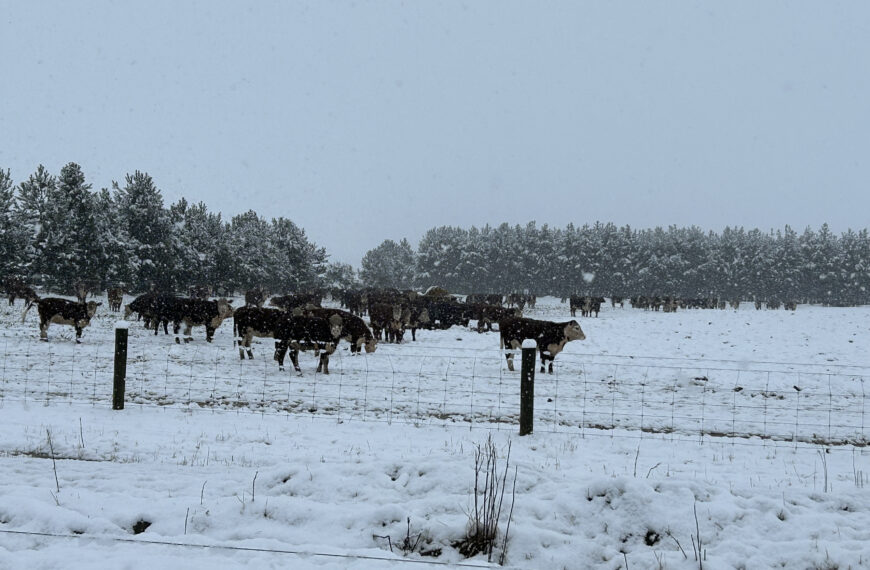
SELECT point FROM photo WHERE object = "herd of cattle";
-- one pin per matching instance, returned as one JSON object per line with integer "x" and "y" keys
{"x": 298, "y": 322}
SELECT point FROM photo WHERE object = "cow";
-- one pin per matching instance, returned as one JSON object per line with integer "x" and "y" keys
{"x": 199, "y": 291}
{"x": 790, "y": 305}
{"x": 443, "y": 314}
{"x": 303, "y": 333}
{"x": 82, "y": 288}
{"x": 192, "y": 312}
{"x": 353, "y": 301}
{"x": 587, "y": 305}
{"x": 296, "y": 301}
{"x": 15, "y": 289}
{"x": 153, "y": 308}
{"x": 488, "y": 299}
{"x": 255, "y": 297}
{"x": 353, "y": 329}
{"x": 249, "y": 322}
{"x": 551, "y": 337}
{"x": 485, "y": 315}
{"x": 616, "y": 300}
{"x": 516, "y": 299}
{"x": 115, "y": 296}
{"x": 62, "y": 312}
{"x": 386, "y": 317}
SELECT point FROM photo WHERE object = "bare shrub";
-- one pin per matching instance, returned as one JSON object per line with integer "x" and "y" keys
{"x": 482, "y": 532}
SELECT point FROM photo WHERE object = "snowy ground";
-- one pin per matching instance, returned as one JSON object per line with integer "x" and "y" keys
{"x": 653, "y": 418}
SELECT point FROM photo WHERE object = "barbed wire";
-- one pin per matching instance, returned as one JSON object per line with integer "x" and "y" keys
{"x": 285, "y": 551}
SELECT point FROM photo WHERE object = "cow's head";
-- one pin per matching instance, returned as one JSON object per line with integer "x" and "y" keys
{"x": 371, "y": 343}
{"x": 127, "y": 311}
{"x": 573, "y": 331}
{"x": 225, "y": 308}
{"x": 92, "y": 308}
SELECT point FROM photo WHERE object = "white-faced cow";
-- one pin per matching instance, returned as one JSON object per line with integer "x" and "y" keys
{"x": 194, "y": 313}
{"x": 551, "y": 337}
{"x": 62, "y": 312}
{"x": 353, "y": 328}
{"x": 305, "y": 333}
{"x": 115, "y": 296}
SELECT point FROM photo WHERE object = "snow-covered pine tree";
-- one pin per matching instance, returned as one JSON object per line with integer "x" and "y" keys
{"x": 390, "y": 264}
{"x": 12, "y": 237}
{"x": 151, "y": 235}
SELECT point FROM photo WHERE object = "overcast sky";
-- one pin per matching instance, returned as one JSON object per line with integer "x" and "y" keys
{"x": 365, "y": 121}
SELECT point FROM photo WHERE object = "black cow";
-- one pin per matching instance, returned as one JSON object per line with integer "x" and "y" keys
{"x": 296, "y": 300}
{"x": 192, "y": 312}
{"x": 255, "y": 297}
{"x": 353, "y": 328}
{"x": 485, "y": 315}
{"x": 551, "y": 337}
{"x": 62, "y": 312}
{"x": 249, "y": 322}
{"x": 153, "y": 308}
{"x": 16, "y": 289}
{"x": 304, "y": 333}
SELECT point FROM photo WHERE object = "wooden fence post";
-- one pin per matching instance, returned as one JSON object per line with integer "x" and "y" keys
{"x": 120, "y": 365}
{"x": 527, "y": 387}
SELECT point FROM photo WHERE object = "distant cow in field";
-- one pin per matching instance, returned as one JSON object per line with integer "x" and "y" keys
{"x": 199, "y": 291}
{"x": 296, "y": 301}
{"x": 295, "y": 333}
{"x": 255, "y": 297}
{"x": 16, "y": 289}
{"x": 62, "y": 312}
{"x": 82, "y": 288}
{"x": 488, "y": 299}
{"x": 115, "y": 296}
{"x": 790, "y": 305}
{"x": 587, "y": 305}
{"x": 551, "y": 337}
{"x": 486, "y": 315}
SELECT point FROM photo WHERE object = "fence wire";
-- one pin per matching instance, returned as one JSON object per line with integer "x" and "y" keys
{"x": 429, "y": 385}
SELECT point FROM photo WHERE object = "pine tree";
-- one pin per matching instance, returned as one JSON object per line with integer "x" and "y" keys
{"x": 151, "y": 236}
{"x": 390, "y": 264}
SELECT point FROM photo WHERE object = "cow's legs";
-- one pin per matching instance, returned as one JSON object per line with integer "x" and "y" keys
{"x": 280, "y": 351}
{"x": 43, "y": 330}
{"x": 209, "y": 334}
{"x": 78, "y": 335}
{"x": 323, "y": 363}
{"x": 294, "y": 358}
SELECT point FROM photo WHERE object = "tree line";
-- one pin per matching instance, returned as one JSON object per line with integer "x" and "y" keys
{"x": 603, "y": 259}
{"x": 56, "y": 231}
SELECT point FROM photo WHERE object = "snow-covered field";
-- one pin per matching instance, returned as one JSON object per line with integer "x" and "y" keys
{"x": 753, "y": 419}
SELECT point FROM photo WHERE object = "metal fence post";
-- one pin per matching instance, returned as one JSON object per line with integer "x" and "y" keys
{"x": 527, "y": 387}
{"x": 121, "y": 329}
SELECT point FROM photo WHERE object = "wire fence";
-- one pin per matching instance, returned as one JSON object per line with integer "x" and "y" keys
{"x": 425, "y": 385}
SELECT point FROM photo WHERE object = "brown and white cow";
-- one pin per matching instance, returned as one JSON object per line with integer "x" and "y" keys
{"x": 551, "y": 337}
{"x": 62, "y": 312}
{"x": 115, "y": 296}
